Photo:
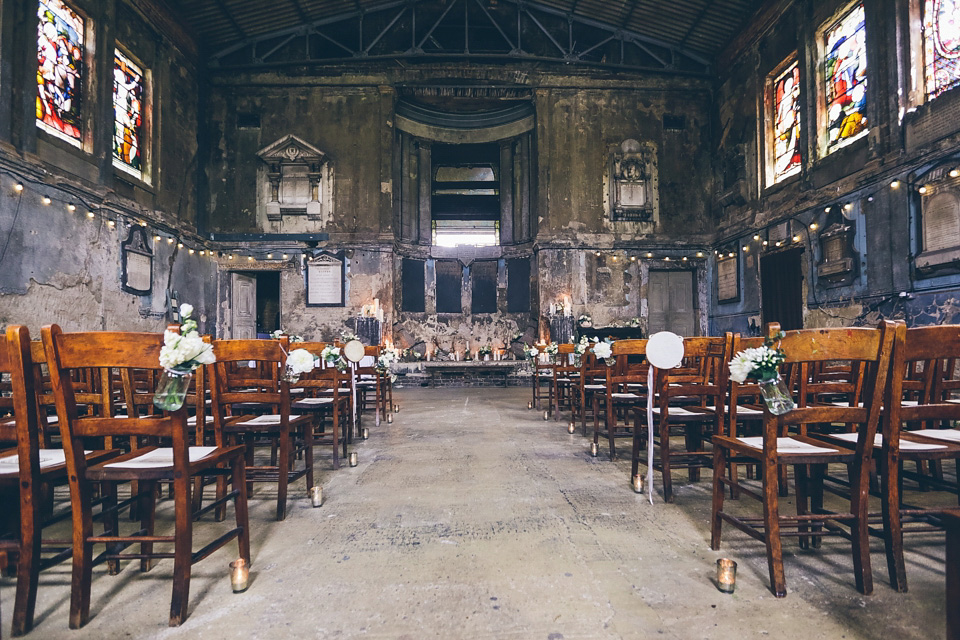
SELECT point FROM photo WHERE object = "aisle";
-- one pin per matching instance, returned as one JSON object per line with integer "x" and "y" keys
{"x": 470, "y": 517}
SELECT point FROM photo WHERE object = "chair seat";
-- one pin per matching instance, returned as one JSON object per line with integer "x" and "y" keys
{"x": 681, "y": 413}
{"x": 743, "y": 410}
{"x": 367, "y": 383}
{"x": 595, "y": 387}
{"x": 564, "y": 380}
{"x": 49, "y": 458}
{"x": 624, "y": 396}
{"x": 157, "y": 463}
{"x": 787, "y": 445}
{"x": 905, "y": 445}
{"x": 158, "y": 458}
{"x": 947, "y": 435}
{"x": 311, "y": 403}
{"x": 192, "y": 420}
{"x": 262, "y": 423}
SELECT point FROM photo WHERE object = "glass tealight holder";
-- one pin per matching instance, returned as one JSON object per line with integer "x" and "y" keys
{"x": 726, "y": 575}
{"x": 239, "y": 575}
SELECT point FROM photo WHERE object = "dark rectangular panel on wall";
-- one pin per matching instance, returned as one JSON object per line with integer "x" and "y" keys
{"x": 412, "y": 290}
{"x": 518, "y": 285}
{"x": 483, "y": 275}
{"x": 449, "y": 283}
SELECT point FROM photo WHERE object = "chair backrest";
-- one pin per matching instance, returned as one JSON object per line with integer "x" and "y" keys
{"x": 922, "y": 371}
{"x": 322, "y": 378}
{"x": 25, "y": 429}
{"x": 870, "y": 349}
{"x": 249, "y": 371}
{"x": 741, "y": 392}
{"x": 130, "y": 353}
{"x": 701, "y": 377}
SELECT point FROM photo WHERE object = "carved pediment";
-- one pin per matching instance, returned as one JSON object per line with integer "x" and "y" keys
{"x": 291, "y": 149}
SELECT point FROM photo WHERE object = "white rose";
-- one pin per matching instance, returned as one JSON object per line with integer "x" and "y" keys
{"x": 186, "y": 310}
{"x": 602, "y": 350}
{"x": 300, "y": 361}
{"x": 741, "y": 366}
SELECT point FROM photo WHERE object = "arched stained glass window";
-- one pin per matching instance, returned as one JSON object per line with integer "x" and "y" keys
{"x": 127, "y": 114}
{"x": 786, "y": 123}
{"x": 941, "y": 45}
{"x": 60, "y": 70}
{"x": 845, "y": 79}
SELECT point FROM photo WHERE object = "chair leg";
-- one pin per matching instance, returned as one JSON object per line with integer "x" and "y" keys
{"x": 893, "y": 531}
{"x": 860, "y": 535}
{"x": 611, "y": 427}
{"x": 815, "y": 492}
{"x": 771, "y": 522}
{"x": 665, "y": 461}
{"x": 283, "y": 475}
{"x": 28, "y": 567}
{"x": 635, "y": 457}
{"x": 111, "y": 522}
{"x": 240, "y": 508}
{"x": 800, "y": 479}
{"x": 147, "y": 503}
{"x": 182, "y": 552}
{"x": 82, "y": 571}
{"x": 308, "y": 452}
{"x": 716, "y": 522}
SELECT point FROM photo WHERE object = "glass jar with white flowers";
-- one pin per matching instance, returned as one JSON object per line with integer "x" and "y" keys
{"x": 299, "y": 362}
{"x": 762, "y": 364}
{"x": 604, "y": 351}
{"x": 182, "y": 352}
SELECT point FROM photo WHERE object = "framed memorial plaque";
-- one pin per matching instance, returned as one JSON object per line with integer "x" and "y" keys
{"x": 325, "y": 275}
{"x": 728, "y": 279}
{"x": 137, "y": 275}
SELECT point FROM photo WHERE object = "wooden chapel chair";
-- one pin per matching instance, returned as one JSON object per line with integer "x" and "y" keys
{"x": 624, "y": 387}
{"x": 30, "y": 470}
{"x": 563, "y": 380}
{"x": 809, "y": 456}
{"x": 924, "y": 402}
{"x": 271, "y": 424}
{"x": 690, "y": 398}
{"x": 326, "y": 394}
{"x": 592, "y": 380}
{"x": 543, "y": 366}
{"x": 147, "y": 465}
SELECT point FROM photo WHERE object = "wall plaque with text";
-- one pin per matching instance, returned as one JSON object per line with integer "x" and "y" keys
{"x": 728, "y": 280}
{"x": 137, "y": 275}
{"x": 325, "y": 275}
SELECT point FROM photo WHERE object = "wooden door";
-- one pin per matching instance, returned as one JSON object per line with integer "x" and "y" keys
{"x": 670, "y": 303}
{"x": 244, "y": 305}
{"x": 781, "y": 289}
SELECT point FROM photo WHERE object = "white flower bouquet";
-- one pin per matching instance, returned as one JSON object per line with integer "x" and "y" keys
{"x": 604, "y": 351}
{"x": 279, "y": 333}
{"x": 531, "y": 352}
{"x": 760, "y": 363}
{"x": 300, "y": 361}
{"x": 585, "y": 320}
{"x": 182, "y": 352}
{"x": 551, "y": 349}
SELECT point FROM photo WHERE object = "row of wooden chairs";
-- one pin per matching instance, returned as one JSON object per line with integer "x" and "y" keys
{"x": 855, "y": 388}
{"x": 101, "y": 387}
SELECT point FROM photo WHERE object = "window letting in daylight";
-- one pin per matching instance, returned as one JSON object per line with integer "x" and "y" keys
{"x": 60, "y": 70}
{"x": 845, "y": 79}
{"x": 786, "y": 123}
{"x": 127, "y": 114}
{"x": 941, "y": 45}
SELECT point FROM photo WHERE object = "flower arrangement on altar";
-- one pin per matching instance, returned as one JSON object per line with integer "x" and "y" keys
{"x": 347, "y": 336}
{"x": 585, "y": 320}
{"x": 485, "y": 350}
{"x": 531, "y": 353}
{"x": 386, "y": 358}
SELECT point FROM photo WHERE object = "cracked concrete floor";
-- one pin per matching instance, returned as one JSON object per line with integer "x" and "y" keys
{"x": 471, "y": 517}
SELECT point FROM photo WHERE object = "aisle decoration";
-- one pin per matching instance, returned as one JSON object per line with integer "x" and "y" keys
{"x": 182, "y": 352}
{"x": 763, "y": 365}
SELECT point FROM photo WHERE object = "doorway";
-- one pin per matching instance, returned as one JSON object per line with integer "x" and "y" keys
{"x": 255, "y": 301}
{"x": 781, "y": 289}
{"x": 670, "y": 301}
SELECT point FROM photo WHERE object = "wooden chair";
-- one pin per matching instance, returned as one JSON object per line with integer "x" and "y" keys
{"x": 925, "y": 402}
{"x": 327, "y": 393}
{"x": 563, "y": 379}
{"x": 625, "y": 386}
{"x": 808, "y": 456}
{"x": 592, "y": 380}
{"x": 542, "y": 372}
{"x": 147, "y": 466}
{"x": 30, "y": 470}
{"x": 262, "y": 390}
{"x": 370, "y": 380}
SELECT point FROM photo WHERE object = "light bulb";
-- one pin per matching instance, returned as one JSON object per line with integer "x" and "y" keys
{"x": 192, "y": 252}
{"x": 649, "y": 255}
{"x": 699, "y": 254}
{"x": 269, "y": 256}
{"x": 922, "y": 190}
{"x": 71, "y": 207}
{"x": 285, "y": 256}
{"x": 90, "y": 214}
{"x": 156, "y": 238}
{"x": 955, "y": 173}
{"x": 813, "y": 226}
{"x": 18, "y": 187}
{"x": 684, "y": 258}
{"x": 895, "y": 184}
{"x": 46, "y": 200}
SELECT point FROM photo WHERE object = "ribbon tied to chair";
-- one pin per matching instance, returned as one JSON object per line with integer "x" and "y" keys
{"x": 664, "y": 351}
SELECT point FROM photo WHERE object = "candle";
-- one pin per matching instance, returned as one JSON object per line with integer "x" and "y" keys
{"x": 389, "y": 418}
{"x": 353, "y": 458}
{"x": 316, "y": 496}
{"x": 594, "y": 449}
{"x": 365, "y": 434}
{"x": 637, "y": 483}
{"x": 571, "y": 428}
{"x": 239, "y": 575}
{"x": 726, "y": 575}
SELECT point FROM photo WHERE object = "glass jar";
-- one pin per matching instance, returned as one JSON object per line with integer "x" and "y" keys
{"x": 172, "y": 389}
{"x": 776, "y": 396}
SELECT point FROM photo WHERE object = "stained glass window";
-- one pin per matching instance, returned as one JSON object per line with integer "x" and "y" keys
{"x": 941, "y": 44}
{"x": 60, "y": 70}
{"x": 845, "y": 79}
{"x": 127, "y": 113}
{"x": 786, "y": 123}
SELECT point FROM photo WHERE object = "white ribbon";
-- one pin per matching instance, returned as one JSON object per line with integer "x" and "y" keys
{"x": 650, "y": 433}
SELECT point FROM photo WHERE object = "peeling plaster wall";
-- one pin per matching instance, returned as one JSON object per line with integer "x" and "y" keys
{"x": 61, "y": 266}
{"x": 905, "y": 138}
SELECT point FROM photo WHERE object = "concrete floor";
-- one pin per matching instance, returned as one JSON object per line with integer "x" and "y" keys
{"x": 471, "y": 517}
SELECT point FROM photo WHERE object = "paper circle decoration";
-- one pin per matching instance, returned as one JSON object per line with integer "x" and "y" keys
{"x": 665, "y": 350}
{"x": 353, "y": 351}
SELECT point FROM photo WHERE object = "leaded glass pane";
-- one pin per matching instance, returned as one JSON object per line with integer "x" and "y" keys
{"x": 941, "y": 43}
{"x": 845, "y": 79}
{"x": 786, "y": 123}
{"x": 60, "y": 70}
{"x": 128, "y": 113}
